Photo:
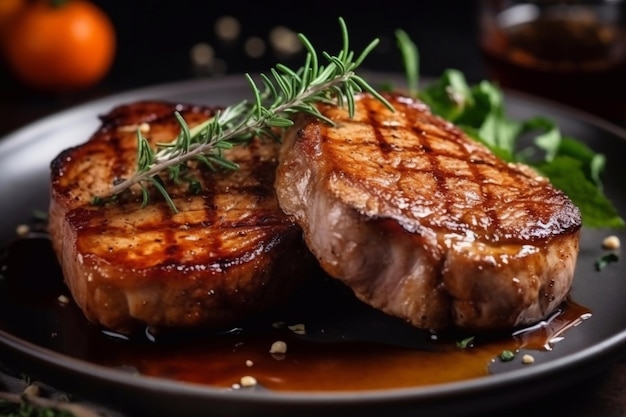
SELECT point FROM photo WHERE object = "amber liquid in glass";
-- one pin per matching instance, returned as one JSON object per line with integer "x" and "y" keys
{"x": 571, "y": 58}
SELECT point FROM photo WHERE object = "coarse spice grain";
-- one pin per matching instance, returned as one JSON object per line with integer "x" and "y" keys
{"x": 298, "y": 328}
{"x": 278, "y": 347}
{"x": 248, "y": 381}
{"x": 611, "y": 242}
{"x": 22, "y": 230}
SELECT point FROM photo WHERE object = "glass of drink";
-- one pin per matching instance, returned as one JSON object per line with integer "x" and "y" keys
{"x": 569, "y": 51}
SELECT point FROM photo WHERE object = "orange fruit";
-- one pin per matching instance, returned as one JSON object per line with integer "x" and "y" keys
{"x": 8, "y": 10}
{"x": 60, "y": 45}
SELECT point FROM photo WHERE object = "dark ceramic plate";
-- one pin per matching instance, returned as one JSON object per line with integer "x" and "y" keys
{"x": 57, "y": 345}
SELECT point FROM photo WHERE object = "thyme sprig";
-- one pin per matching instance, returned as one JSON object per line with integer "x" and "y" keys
{"x": 284, "y": 92}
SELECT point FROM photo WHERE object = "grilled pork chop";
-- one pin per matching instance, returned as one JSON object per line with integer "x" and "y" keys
{"x": 424, "y": 223}
{"x": 221, "y": 258}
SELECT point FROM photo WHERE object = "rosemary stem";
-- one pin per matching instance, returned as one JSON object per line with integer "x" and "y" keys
{"x": 202, "y": 148}
{"x": 285, "y": 92}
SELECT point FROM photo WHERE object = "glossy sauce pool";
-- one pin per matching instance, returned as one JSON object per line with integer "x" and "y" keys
{"x": 36, "y": 306}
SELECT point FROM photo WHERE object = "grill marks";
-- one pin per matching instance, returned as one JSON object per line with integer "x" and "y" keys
{"x": 251, "y": 185}
{"x": 417, "y": 143}
{"x": 438, "y": 163}
{"x": 215, "y": 262}
{"x": 424, "y": 223}
{"x": 419, "y": 220}
{"x": 438, "y": 177}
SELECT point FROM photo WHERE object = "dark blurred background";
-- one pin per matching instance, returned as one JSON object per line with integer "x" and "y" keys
{"x": 157, "y": 40}
{"x": 155, "y": 37}
{"x": 162, "y": 41}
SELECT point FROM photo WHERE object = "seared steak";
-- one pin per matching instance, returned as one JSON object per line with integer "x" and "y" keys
{"x": 424, "y": 223}
{"x": 229, "y": 253}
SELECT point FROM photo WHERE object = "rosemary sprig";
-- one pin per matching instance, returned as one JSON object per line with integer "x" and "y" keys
{"x": 285, "y": 92}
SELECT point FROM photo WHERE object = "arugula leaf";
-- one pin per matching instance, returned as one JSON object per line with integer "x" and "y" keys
{"x": 593, "y": 163}
{"x": 567, "y": 174}
{"x": 569, "y": 164}
{"x": 449, "y": 96}
{"x": 410, "y": 55}
{"x": 479, "y": 111}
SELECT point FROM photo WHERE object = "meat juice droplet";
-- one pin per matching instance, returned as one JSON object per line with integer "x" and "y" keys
{"x": 221, "y": 360}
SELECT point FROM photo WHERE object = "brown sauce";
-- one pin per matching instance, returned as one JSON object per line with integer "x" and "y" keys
{"x": 30, "y": 309}
{"x": 310, "y": 366}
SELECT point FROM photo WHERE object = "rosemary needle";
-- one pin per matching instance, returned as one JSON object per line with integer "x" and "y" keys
{"x": 284, "y": 92}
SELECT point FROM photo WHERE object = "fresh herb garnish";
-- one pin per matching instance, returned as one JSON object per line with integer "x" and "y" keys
{"x": 479, "y": 110}
{"x": 606, "y": 259}
{"x": 465, "y": 343}
{"x": 285, "y": 92}
{"x": 11, "y": 409}
{"x": 410, "y": 57}
{"x": 507, "y": 355}
{"x": 22, "y": 405}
